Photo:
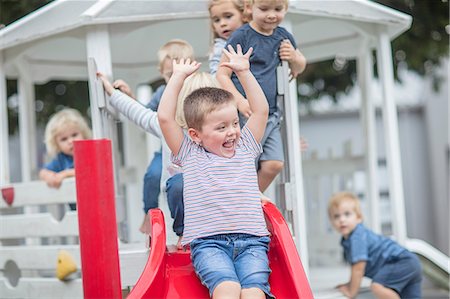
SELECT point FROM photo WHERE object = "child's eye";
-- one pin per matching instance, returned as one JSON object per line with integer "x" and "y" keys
{"x": 347, "y": 214}
{"x": 236, "y": 123}
{"x": 215, "y": 20}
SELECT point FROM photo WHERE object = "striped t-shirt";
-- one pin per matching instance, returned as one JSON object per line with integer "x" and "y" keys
{"x": 221, "y": 195}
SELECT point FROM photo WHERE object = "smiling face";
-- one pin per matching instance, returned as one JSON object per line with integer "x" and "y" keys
{"x": 267, "y": 15}
{"x": 65, "y": 138}
{"x": 220, "y": 131}
{"x": 225, "y": 18}
{"x": 344, "y": 218}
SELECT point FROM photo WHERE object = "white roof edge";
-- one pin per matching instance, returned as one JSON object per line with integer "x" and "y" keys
{"x": 96, "y": 9}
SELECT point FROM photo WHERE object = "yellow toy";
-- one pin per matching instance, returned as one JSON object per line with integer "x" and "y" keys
{"x": 66, "y": 265}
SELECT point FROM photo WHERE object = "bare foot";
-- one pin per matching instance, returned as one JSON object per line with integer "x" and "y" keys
{"x": 179, "y": 246}
{"x": 145, "y": 226}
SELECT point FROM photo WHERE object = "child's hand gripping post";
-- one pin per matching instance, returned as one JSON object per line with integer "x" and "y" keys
{"x": 106, "y": 84}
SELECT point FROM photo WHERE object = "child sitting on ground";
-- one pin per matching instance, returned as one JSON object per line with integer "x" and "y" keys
{"x": 63, "y": 128}
{"x": 395, "y": 271}
{"x": 224, "y": 221}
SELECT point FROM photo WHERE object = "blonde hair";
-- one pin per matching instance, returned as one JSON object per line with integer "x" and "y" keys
{"x": 58, "y": 123}
{"x": 175, "y": 49}
{"x": 251, "y": 2}
{"x": 195, "y": 81}
{"x": 339, "y": 197}
{"x": 240, "y": 5}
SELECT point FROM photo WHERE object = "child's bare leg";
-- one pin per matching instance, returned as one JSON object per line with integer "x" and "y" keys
{"x": 179, "y": 246}
{"x": 267, "y": 172}
{"x": 145, "y": 226}
{"x": 227, "y": 290}
{"x": 252, "y": 293}
{"x": 382, "y": 292}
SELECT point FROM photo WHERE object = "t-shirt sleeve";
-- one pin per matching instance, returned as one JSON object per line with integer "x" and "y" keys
{"x": 359, "y": 247}
{"x": 289, "y": 36}
{"x": 236, "y": 38}
{"x": 249, "y": 142}
{"x": 186, "y": 146}
{"x": 54, "y": 165}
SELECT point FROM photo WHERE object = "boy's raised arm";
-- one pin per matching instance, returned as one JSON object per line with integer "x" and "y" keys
{"x": 223, "y": 76}
{"x": 239, "y": 63}
{"x": 173, "y": 133}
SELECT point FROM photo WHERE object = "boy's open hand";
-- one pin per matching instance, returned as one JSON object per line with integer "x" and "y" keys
{"x": 237, "y": 61}
{"x": 185, "y": 67}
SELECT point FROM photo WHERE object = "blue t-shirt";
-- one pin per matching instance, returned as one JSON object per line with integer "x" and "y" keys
{"x": 264, "y": 59}
{"x": 364, "y": 245}
{"x": 60, "y": 163}
{"x": 156, "y": 98}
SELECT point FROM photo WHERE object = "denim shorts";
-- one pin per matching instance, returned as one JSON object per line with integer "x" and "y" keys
{"x": 271, "y": 142}
{"x": 241, "y": 258}
{"x": 403, "y": 274}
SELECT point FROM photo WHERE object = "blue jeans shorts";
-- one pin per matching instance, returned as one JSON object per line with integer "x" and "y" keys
{"x": 241, "y": 258}
{"x": 403, "y": 274}
{"x": 271, "y": 142}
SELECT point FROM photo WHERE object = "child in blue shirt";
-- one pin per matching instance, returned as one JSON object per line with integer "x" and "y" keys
{"x": 395, "y": 271}
{"x": 271, "y": 45}
{"x": 63, "y": 128}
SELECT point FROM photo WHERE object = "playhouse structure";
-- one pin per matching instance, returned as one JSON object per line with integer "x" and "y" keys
{"x": 68, "y": 40}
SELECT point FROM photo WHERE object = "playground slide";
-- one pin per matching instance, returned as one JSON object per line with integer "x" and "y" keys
{"x": 435, "y": 264}
{"x": 169, "y": 272}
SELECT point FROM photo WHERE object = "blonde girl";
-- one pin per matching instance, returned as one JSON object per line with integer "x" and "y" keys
{"x": 226, "y": 16}
{"x": 63, "y": 128}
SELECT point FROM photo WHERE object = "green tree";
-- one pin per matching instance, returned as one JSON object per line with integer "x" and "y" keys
{"x": 420, "y": 49}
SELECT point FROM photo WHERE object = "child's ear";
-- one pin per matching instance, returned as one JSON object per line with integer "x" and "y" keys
{"x": 193, "y": 133}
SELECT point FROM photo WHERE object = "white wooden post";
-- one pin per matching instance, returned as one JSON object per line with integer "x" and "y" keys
{"x": 385, "y": 71}
{"x": 4, "y": 150}
{"x": 365, "y": 79}
{"x": 27, "y": 124}
{"x": 103, "y": 124}
{"x": 295, "y": 195}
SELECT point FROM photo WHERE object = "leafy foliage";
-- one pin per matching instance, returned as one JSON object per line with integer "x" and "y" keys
{"x": 420, "y": 49}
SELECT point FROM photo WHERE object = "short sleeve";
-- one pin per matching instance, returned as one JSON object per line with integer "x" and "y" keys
{"x": 186, "y": 146}
{"x": 249, "y": 142}
{"x": 359, "y": 247}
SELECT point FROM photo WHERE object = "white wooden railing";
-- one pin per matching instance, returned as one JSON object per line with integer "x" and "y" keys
{"x": 30, "y": 243}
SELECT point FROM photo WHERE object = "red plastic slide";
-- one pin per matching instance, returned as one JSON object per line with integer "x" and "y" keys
{"x": 169, "y": 272}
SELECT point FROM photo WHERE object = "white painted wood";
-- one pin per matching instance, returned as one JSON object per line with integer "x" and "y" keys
{"x": 38, "y": 225}
{"x": 38, "y": 193}
{"x": 365, "y": 79}
{"x": 294, "y": 192}
{"x": 132, "y": 261}
{"x": 4, "y": 150}
{"x": 42, "y": 288}
{"x": 27, "y": 123}
{"x": 98, "y": 48}
{"x": 396, "y": 195}
{"x": 37, "y": 257}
